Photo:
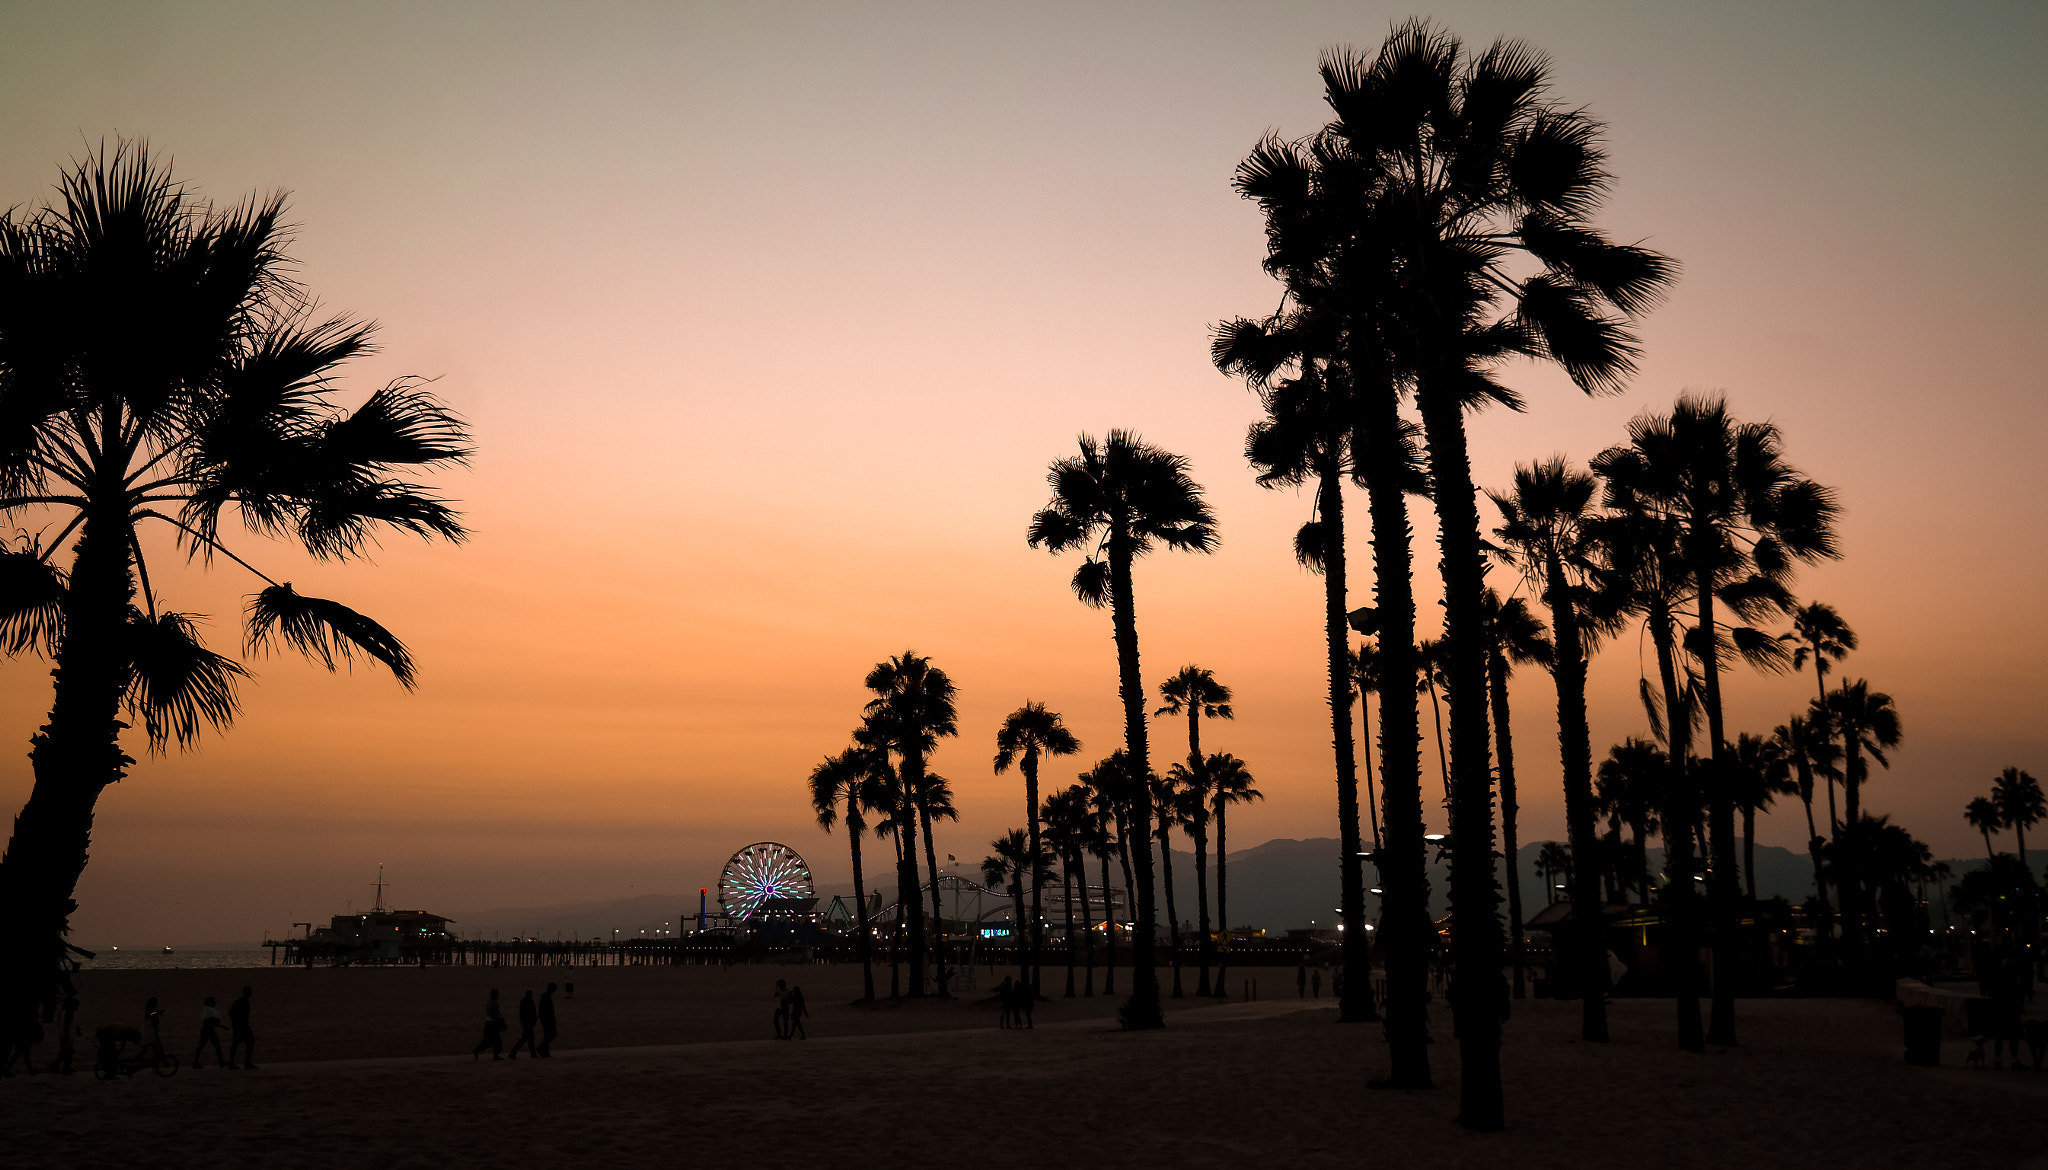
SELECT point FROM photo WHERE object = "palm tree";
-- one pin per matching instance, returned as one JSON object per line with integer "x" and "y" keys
{"x": 1190, "y": 811}
{"x": 1630, "y": 785}
{"x": 2020, "y": 807}
{"x": 1194, "y": 692}
{"x": 1467, "y": 212}
{"x": 1745, "y": 517}
{"x": 912, "y": 710}
{"x": 1812, "y": 754}
{"x": 1230, "y": 782}
{"x": 1345, "y": 405}
{"x": 1065, "y": 815}
{"x": 1821, "y": 636}
{"x": 1110, "y": 788}
{"x": 1117, "y": 501}
{"x": 1762, "y": 774}
{"x": 1547, "y": 534}
{"x": 1553, "y": 858}
{"x": 1429, "y": 674}
{"x": 849, "y": 779}
{"x": 1014, "y": 864}
{"x": 1983, "y": 815}
{"x": 1165, "y": 799}
{"x": 934, "y": 797}
{"x": 1027, "y": 734}
{"x": 161, "y": 364}
{"x": 1513, "y": 635}
{"x": 1365, "y": 680}
{"x": 1869, "y": 726}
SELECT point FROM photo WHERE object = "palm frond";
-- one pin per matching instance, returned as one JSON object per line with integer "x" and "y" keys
{"x": 175, "y": 684}
{"x": 326, "y": 630}
{"x": 31, "y": 601}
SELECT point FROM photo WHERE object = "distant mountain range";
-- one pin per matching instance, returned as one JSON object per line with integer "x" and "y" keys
{"x": 1280, "y": 885}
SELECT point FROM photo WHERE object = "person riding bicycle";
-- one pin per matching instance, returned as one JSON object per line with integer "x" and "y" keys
{"x": 112, "y": 1039}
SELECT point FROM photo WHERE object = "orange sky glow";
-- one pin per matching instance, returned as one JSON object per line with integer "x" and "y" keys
{"x": 768, "y": 320}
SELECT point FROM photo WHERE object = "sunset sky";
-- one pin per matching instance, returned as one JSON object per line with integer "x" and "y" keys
{"x": 768, "y": 319}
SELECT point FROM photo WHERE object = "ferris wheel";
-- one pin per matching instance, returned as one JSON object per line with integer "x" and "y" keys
{"x": 758, "y": 873}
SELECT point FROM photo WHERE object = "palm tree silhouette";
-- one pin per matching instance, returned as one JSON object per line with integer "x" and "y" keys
{"x": 1108, "y": 787}
{"x": 850, "y": 779}
{"x": 1230, "y": 782}
{"x": 1166, "y": 799}
{"x": 1513, "y": 635}
{"x": 935, "y": 802}
{"x": 1014, "y": 864}
{"x": 2020, "y": 807}
{"x": 1553, "y": 858}
{"x": 1811, "y": 754}
{"x": 1117, "y": 501}
{"x": 1869, "y": 726}
{"x": 912, "y": 710}
{"x": 1027, "y": 734}
{"x": 1065, "y": 815}
{"x": 1190, "y": 811}
{"x": 1429, "y": 674}
{"x": 1630, "y": 786}
{"x": 1820, "y": 635}
{"x": 1465, "y": 211}
{"x": 1761, "y": 774}
{"x": 1193, "y": 691}
{"x": 1983, "y": 815}
{"x": 1547, "y": 535}
{"x": 1365, "y": 681}
{"x": 160, "y": 363}
{"x": 1745, "y": 517}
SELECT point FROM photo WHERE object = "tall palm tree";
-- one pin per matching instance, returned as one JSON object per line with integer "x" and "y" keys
{"x": 1165, "y": 799}
{"x": 1513, "y": 635}
{"x": 1546, "y": 532}
{"x": 1821, "y": 636}
{"x": 1193, "y": 691}
{"x": 1486, "y": 196}
{"x": 160, "y": 364}
{"x": 1014, "y": 865}
{"x": 1630, "y": 784}
{"x": 1028, "y": 734}
{"x": 1762, "y": 773}
{"x": 913, "y": 708}
{"x": 934, "y": 797}
{"x": 849, "y": 780}
{"x": 1983, "y": 815}
{"x": 1745, "y": 517}
{"x": 2020, "y": 807}
{"x": 1811, "y": 754}
{"x": 1117, "y": 501}
{"x": 1190, "y": 811}
{"x": 1230, "y": 782}
{"x": 1065, "y": 815}
{"x": 1869, "y": 726}
{"x": 1345, "y": 405}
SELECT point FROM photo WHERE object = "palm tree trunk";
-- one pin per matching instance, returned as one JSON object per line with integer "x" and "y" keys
{"x": 1017, "y": 936}
{"x": 1575, "y": 751}
{"x": 1222, "y": 890}
{"x": 910, "y": 779}
{"x": 1504, "y": 748}
{"x": 1680, "y": 954}
{"x": 896, "y": 928}
{"x": 1109, "y": 927}
{"x": 1749, "y": 850}
{"x": 1067, "y": 880}
{"x": 1405, "y": 929}
{"x": 1436, "y": 715}
{"x": 1172, "y": 911}
{"x": 1143, "y": 1010}
{"x": 931, "y": 861}
{"x": 1206, "y": 945}
{"x": 76, "y": 754}
{"x": 1721, "y": 887}
{"x": 1848, "y": 881}
{"x": 1825, "y": 930}
{"x": 1087, "y": 922}
{"x": 1475, "y": 896}
{"x": 1030, "y": 766}
{"x": 855, "y": 826}
{"x": 1355, "y": 1004}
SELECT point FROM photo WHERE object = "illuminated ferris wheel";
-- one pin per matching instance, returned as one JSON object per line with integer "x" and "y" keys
{"x": 759, "y": 873}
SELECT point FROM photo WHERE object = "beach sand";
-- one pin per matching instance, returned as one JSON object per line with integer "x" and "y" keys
{"x": 371, "y": 1068}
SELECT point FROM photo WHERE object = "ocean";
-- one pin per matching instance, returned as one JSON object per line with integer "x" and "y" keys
{"x": 143, "y": 959}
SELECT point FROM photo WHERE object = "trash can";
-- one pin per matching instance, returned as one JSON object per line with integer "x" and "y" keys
{"x": 1923, "y": 1035}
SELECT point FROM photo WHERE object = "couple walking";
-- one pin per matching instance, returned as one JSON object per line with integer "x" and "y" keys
{"x": 242, "y": 1040}
{"x": 789, "y": 1011}
{"x": 530, "y": 1013}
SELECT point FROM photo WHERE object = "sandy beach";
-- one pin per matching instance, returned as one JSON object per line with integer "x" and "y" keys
{"x": 371, "y": 1067}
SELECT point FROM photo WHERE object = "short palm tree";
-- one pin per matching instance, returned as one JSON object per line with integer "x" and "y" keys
{"x": 913, "y": 708}
{"x": 1107, "y": 785}
{"x": 1191, "y": 812}
{"x": 1630, "y": 785}
{"x": 2020, "y": 807}
{"x": 1546, "y": 532}
{"x": 1762, "y": 774}
{"x": 1983, "y": 815}
{"x": 1230, "y": 782}
{"x": 1194, "y": 692}
{"x": 1812, "y": 754}
{"x": 1065, "y": 817}
{"x": 1116, "y": 501}
{"x": 849, "y": 780}
{"x": 161, "y": 365}
{"x": 1819, "y": 636}
{"x": 1166, "y": 798}
{"x": 934, "y": 796}
{"x": 1745, "y": 519}
{"x": 1868, "y": 725}
{"x": 1553, "y": 858}
{"x": 1365, "y": 681}
{"x": 1027, "y": 735}
{"x": 1513, "y": 635}
{"x": 1013, "y": 866}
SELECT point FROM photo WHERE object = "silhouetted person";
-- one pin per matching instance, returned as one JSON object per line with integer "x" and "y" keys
{"x": 153, "y": 1024}
{"x": 547, "y": 1022}
{"x": 569, "y": 989}
{"x": 782, "y": 1009}
{"x": 242, "y": 1040}
{"x": 28, "y": 1032}
{"x": 797, "y": 1012}
{"x": 112, "y": 1038}
{"x": 1315, "y": 982}
{"x": 528, "y": 1016}
{"x": 209, "y": 1033}
{"x": 1007, "y": 1000}
{"x": 494, "y": 1028}
{"x": 1301, "y": 982}
{"x": 1022, "y": 999}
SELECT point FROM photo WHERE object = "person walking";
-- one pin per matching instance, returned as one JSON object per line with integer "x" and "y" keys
{"x": 797, "y": 1012}
{"x": 241, "y": 1040}
{"x": 547, "y": 1022}
{"x": 528, "y": 1016}
{"x": 781, "y": 1009}
{"x": 1315, "y": 982}
{"x": 494, "y": 1027}
{"x": 153, "y": 1023}
{"x": 209, "y": 1033}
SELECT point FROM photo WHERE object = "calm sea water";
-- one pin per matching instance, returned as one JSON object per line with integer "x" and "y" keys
{"x": 140, "y": 959}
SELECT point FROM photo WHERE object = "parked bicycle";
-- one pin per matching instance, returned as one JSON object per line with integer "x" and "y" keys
{"x": 116, "y": 1061}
